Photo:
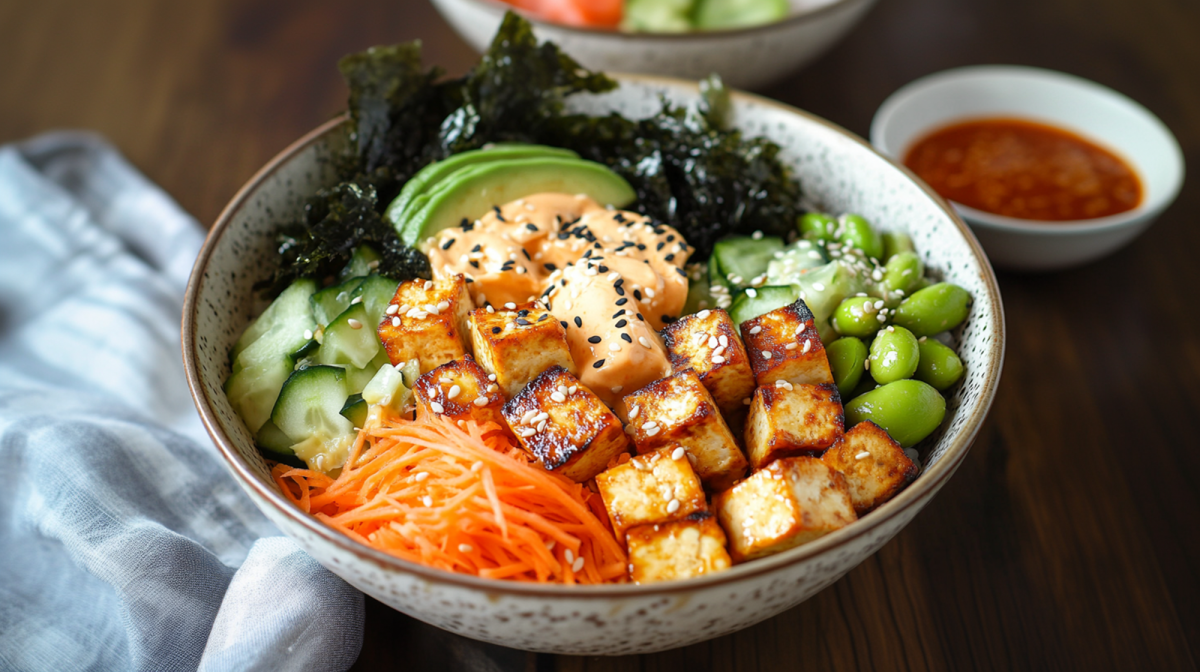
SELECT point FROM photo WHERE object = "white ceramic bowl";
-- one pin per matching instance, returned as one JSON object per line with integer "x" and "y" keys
{"x": 1095, "y": 112}
{"x": 840, "y": 172}
{"x": 746, "y": 58}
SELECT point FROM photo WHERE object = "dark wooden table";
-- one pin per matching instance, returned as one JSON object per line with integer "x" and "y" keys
{"x": 1070, "y": 538}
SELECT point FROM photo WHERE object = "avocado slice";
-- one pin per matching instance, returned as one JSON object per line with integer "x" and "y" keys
{"x": 472, "y": 190}
{"x": 432, "y": 175}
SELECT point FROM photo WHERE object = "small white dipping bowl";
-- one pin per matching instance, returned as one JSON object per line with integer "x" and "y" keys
{"x": 1094, "y": 112}
{"x": 746, "y": 58}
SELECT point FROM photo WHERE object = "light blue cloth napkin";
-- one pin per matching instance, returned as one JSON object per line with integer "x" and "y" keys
{"x": 124, "y": 542}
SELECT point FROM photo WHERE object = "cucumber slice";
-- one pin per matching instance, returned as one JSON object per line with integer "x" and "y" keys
{"x": 699, "y": 295}
{"x": 727, "y": 14}
{"x": 387, "y": 388}
{"x": 253, "y": 390}
{"x": 658, "y": 16}
{"x": 279, "y": 331}
{"x": 305, "y": 350}
{"x": 376, "y": 293}
{"x": 824, "y": 287}
{"x": 411, "y": 370}
{"x": 308, "y": 411}
{"x": 332, "y": 301}
{"x": 765, "y": 299}
{"x": 797, "y": 258}
{"x": 350, "y": 340}
{"x": 355, "y": 410}
{"x": 742, "y": 258}
{"x": 273, "y": 440}
{"x": 364, "y": 260}
{"x": 357, "y": 379}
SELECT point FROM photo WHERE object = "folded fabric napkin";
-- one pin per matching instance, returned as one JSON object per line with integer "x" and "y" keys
{"x": 124, "y": 542}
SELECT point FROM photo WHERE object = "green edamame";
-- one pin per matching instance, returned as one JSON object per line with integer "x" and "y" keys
{"x": 909, "y": 410}
{"x": 902, "y": 272}
{"x": 895, "y": 242}
{"x": 934, "y": 309}
{"x": 939, "y": 366}
{"x": 846, "y": 358}
{"x": 894, "y": 355}
{"x": 858, "y": 316}
{"x": 857, "y": 232}
{"x": 817, "y": 226}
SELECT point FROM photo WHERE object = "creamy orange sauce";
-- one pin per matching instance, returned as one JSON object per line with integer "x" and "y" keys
{"x": 611, "y": 276}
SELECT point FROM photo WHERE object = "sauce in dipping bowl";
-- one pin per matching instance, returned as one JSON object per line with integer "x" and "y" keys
{"x": 1007, "y": 211}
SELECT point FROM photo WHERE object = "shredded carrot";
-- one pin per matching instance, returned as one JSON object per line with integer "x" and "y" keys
{"x": 464, "y": 498}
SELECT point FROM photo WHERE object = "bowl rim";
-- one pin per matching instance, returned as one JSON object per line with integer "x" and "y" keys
{"x": 929, "y": 84}
{"x": 928, "y": 482}
{"x": 791, "y": 18}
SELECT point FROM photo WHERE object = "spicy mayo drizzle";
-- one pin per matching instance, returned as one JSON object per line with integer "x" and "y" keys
{"x": 1023, "y": 169}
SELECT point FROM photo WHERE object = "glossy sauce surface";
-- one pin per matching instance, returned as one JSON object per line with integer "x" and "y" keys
{"x": 1024, "y": 169}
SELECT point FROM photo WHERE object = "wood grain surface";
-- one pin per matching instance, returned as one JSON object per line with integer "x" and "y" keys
{"x": 1069, "y": 539}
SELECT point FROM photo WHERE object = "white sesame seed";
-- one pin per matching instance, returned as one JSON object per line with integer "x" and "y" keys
{"x": 756, "y": 331}
{"x": 492, "y": 377}
{"x": 790, "y": 346}
{"x": 308, "y": 334}
{"x": 480, "y": 401}
{"x": 673, "y": 506}
{"x": 454, "y": 391}
{"x": 395, "y": 322}
{"x": 882, "y": 316}
{"x": 633, "y": 412}
{"x": 718, "y": 359}
{"x": 446, "y": 380}
{"x": 650, "y": 424}
{"x": 356, "y": 300}
{"x": 427, "y": 500}
{"x": 541, "y": 425}
{"x": 354, "y": 324}
{"x": 465, "y": 548}
{"x": 568, "y": 555}
{"x": 562, "y": 389}
{"x": 391, "y": 309}
{"x": 879, "y": 304}
{"x": 550, "y": 545}
{"x": 818, "y": 286}
{"x": 612, "y": 277}
{"x": 422, "y": 475}
{"x": 652, "y": 431}
{"x": 863, "y": 455}
{"x": 615, "y": 347}
{"x": 678, "y": 453}
{"x": 644, "y": 341}
{"x": 713, "y": 342}
{"x": 922, "y": 339}
{"x": 527, "y": 432}
{"x": 867, "y": 364}
{"x": 616, "y": 389}
{"x": 436, "y": 407}
{"x": 723, "y": 340}
{"x": 577, "y": 565}
{"x": 559, "y": 397}
{"x": 490, "y": 309}
{"x": 751, "y": 293}
{"x": 720, "y": 349}
{"x": 540, "y": 417}
{"x": 703, "y": 314}
{"x": 766, "y": 354}
{"x": 510, "y": 305}
{"x": 477, "y": 467}
{"x": 572, "y": 389}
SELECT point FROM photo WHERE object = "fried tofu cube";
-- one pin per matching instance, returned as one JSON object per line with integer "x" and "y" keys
{"x": 428, "y": 323}
{"x": 685, "y": 548}
{"x": 875, "y": 466}
{"x": 790, "y": 502}
{"x": 565, "y": 426}
{"x": 783, "y": 345}
{"x": 518, "y": 344}
{"x": 459, "y": 390}
{"x": 708, "y": 343}
{"x": 787, "y": 419}
{"x": 679, "y": 410}
{"x": 650, "y": 489}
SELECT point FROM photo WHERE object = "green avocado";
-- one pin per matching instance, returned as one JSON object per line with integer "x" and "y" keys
{"x": 429, "y": 177}
{"x": 471, "y": 191}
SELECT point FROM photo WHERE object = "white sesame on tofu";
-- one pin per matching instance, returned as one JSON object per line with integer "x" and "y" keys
{"x": 564, "y": 426}
{"x": 649, "y": 489}
{"x": 460, "y": 390}
{"x": 429, "y": 324}
{"x": 790, "y": 502}
{"x": 787, "y": 419}
{"x": 783, "y": 345}
{"x": 708, "y": 343}
{"x": 682, "y": 549}
{"x": 679, "y": 410}
{"x": 516, "y": 345}
{"x": 875, "y": 466}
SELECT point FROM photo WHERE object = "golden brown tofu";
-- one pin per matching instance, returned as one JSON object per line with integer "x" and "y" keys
{"x": 460, "y": 390}
{"x": 685, "y": 548}
{"x": 518, "y": 344}
{"x": 679, "y": 410}
{"x": 649, "y": 489}
{"x": 428, "y": 323}
{"x": 783, "y": 345}
{"x": 787, "y": 419}
{"x": 790, "y": 502}
{"x": 564, "y": 426}
{"x": 708, "y": 343}
{"x": 875, "y": 466}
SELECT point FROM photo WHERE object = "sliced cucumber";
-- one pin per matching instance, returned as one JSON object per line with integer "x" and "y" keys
{"x": 357, "y": 379}
{"x": 252, "y": 391}
{"x": 308, "y": 412}
{"x": 376, "y": 293}
{"x": 279, "y": 331}
{"x": 728, "y": 14}
{"x": 355, "y": 410}
{"x": 742, "y": 258}
{"x": 364, "y": 260}
{"x": 305, "y": 350}
{"x": 387, "y": 388}
{"x": 824, "y": 287}
{"x": 699, "y": 295}
{"x": 764, "y": 300}
{"x": 658, "y": 16}
{"x": 797, "y": 258}
{"x": 286, "y": 308}
{"x": 332, "y": 301}
{"x": 272, "y": 439}
{"x": 350, "y": 340}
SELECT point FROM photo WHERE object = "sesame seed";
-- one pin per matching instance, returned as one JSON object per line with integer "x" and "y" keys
{"x": 718, "y": 359}
{"x": 492, "y": 388}
{"x": 528, "y": 416}
{"x": 395, "y": 322}
{"x": 644, "y": 341}
{"x": 791, "y": 346}
{"x": 428, "y": 285}
{"x": 921, "y": 339}
{"x": 651, "y": 424}
{"x": 422, "y": 475}
{"x": 673, "y": 506}
{"x": 616, "y": 389}
{"x": 703, "y": 314}
{"x": 442, "y": 305}
{"x": 308, "y": 334}
{"x": 879, "y": 304}
{"x": 863, "y": 455}
{"x": 678, "y": 453}
{"x": 751, "y": 293}
{"x": 454, "y": 391}
{"x": 492, "y": 377}
{"x": 354, "y": 324}
{"x": 572, "y": 389}
{"x": 550, "y": 545}
{"x": 867, "y": 364}
{"x": 621, "y": 323}
{"x": 755, "y": 331}
{"x": 477, "y": 467}
{"x": 510, "y": 305}
{"x": 806, "y": 348}
{"x": 465, "y": 548}
{"x": 723, "y": 340}
{"x": 615, "y": 347}
{"x": 541, "y": 425}
{"x": 558, "y": 396}
{"x": 627, "y": 338}
{"x": 577, "y": 565}
{"x": 746, "y": 401}
{"x": 436, "y": 407}
{"x": 391, "y": 309}
{"x": 757, "y": 235}
{"x": 818, "y": 286}
{"x": 427, "y": 500}
{"x": 594, "y": 339}
{"x": 490, "y": 309}
{"x": 527, "y": 432}
{"x": 766, "y": 354}
{"x": 480, "y": 401}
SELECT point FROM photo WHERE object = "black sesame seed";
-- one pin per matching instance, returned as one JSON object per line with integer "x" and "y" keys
{"x": 622, "y": 323}
{"x": 578, "y": 322}
{"x": 475, "y": 264}
{"x": 621, "y": 302}
{"x": 446, "y": 245}
{"x": 467, "y": 226}
{"x": 667, "y": 319}
{"x": 669, "y": 257}
{"x": 639, "y": 316}
{"x": 498, "y": 215}
{"x": 470, "y": 280}
{"x": 618, "y": 313}
{"x": 496, "y": 330}
{"x": 543, "y": 317}
{"x": 531, "y": 227}
{"x": 602, "y": 269}
{"x": 478, "y": 247}
{"x": 671, "y": 238}
{"x": 637, "y": 294}
{"x": 564, "y": 324}
{"x": 680, "y": 271}
{"x": 627, "y": 338}
{"x": 593, "y": 339}
{"x": 550, "y": 267}
{"x": 641, "y": 247}
{"x": 619, "y": 282}
{"x": 464, "y": 223}
{"x": 620, "y": 291}
{"x": 526, "y": 253}
{"x": 599, "y": 363}
{"x": 523, "y": 312}
{"x": 523, "y": 322}
{"x": 658, "y": 248}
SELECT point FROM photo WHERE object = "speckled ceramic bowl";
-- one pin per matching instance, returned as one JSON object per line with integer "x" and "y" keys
{"x": 746, "y": 58}
{"x": 840, "y": 172}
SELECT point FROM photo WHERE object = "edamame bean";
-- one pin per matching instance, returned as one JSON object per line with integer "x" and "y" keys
{"x": 894, "y": 355}
{"x": 857, "y": 232}
{"x": 895, "y": 242}
{"x": 857, "y": 316}
{"x": 934, "y": 309}
{"x": 908, "y": 409}
{"x": 902, "y": 272}
{"x": 817, "y": 226}
{"x": 939, "y": 366}
{"x": 846, "y": 357}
